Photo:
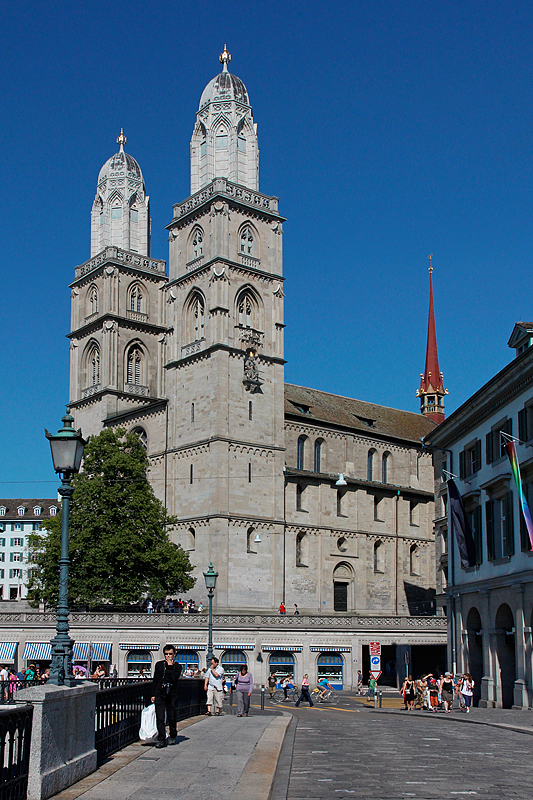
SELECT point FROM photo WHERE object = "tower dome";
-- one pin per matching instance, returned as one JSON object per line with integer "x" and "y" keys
{"x": 121, "y": 212}
{"x": 224, "y": 140}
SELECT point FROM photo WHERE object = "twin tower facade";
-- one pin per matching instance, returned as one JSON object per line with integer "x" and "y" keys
{"x": 193, "y": 361}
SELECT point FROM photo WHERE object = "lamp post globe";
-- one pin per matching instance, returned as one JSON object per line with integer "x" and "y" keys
{"x": 67, "y": 447}
{"x": 210, "y": 584}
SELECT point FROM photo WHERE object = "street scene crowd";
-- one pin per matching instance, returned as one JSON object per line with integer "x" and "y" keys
{"x": 437, "y": 693}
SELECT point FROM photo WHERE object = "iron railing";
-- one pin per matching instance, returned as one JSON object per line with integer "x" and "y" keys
{"x": 119, "y": 709}
{"x": 15, "y": 740}
{"x": 8, "y": 689}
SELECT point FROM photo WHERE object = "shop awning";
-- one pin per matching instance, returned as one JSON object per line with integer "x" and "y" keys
{"x": 330, "y": 649}
{"x": 291, "y": 648}
{"x": 37, "y": 651}
{"x": 138, "y": 646}
{"x": 98, "y": 651}
{"x": 191, "y": 646}
{"x": 7, "y": 652}
{"x": 234, "y": 646}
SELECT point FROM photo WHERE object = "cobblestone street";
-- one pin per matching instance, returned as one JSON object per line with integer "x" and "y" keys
{"x": 373, "y": 755}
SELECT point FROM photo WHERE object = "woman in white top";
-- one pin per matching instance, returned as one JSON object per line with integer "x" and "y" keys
{"x": 467, "y": 690}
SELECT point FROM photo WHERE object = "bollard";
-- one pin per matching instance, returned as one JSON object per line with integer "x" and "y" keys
{"x": 380, "y": 699}
{"x": 231, "y": 697}
{"x": 262, "y": 697}
{"x": 375, "y": 699}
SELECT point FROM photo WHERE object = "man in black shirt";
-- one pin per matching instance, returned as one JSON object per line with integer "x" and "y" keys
{"x": 166, "y": 675}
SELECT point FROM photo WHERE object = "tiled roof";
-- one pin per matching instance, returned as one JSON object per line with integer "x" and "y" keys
{"x": 366, "y": 418}
{"x": 12, "y": 507}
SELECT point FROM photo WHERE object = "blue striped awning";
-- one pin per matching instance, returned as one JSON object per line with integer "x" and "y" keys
{"x": 98, "y": 651}
{"x": 190, "y": 646}
{"x": 234, "y": 646}
{"x": 330, "y": 649}
{"x": 290, "y": 648}
{"x": 7, "y": 651}
{"x": 101, "y": 651}
{"x": 142, "y": 658}
{"x": 137, "y": 646}
{"x": 37, "y": 651}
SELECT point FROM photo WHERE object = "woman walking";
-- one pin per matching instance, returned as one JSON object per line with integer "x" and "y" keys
{"x": 446, "y": 691}
{"x": 467, "y": 690}
{"x": 408, "y": 691}
{"x": 244, "y": 683}
{"x": 305, "y": 692}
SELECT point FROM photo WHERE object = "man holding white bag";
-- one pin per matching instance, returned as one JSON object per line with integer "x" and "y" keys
{"x": 166, "y": 676}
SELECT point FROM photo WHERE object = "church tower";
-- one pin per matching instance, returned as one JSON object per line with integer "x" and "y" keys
{"x": 117, "y": 303}
{"x": 432, "y": 391}
{"x": 225, "y": 367}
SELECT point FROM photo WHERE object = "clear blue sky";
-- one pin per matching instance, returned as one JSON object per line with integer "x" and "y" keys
{"x": 388, "y": 130}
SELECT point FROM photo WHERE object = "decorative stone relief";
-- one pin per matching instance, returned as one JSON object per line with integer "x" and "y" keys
{"x": 278, "y": 291}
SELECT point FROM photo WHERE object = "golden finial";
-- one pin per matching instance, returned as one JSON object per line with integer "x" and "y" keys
{"x": 430, "y": 267}
{"x": 224, "y": 59}
{"x": 121, "y": 140}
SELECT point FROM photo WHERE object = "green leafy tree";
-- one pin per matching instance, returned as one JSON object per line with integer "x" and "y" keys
{"x": 119, "y": 548}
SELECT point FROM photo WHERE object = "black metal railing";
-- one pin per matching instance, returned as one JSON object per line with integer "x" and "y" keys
{"x": 8, "y": 689}
{"x": 15, "y": 740}
{"x": 119, "y": 709}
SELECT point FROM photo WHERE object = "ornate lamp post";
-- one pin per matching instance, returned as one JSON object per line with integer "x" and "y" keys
{"x": 210, "y": 584}
{"x": 67, "y": 451}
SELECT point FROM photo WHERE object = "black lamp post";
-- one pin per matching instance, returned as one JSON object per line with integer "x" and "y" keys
{"x": 67, "y": 451}
{"x": 210, "y": 584}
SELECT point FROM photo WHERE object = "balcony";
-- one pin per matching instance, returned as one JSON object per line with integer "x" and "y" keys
{"x": 137, "y": 389}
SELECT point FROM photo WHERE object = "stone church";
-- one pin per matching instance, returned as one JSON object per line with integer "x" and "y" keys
{"x": 293, "y": 494}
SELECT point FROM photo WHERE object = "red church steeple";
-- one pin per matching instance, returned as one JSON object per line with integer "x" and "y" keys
{"x": 432, "y": 391}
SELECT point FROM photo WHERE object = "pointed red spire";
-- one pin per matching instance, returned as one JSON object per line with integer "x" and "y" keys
{"x": 432, "y": 389}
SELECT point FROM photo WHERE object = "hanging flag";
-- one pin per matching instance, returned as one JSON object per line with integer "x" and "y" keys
{"x": 510, "y": 447}
{"x": 461, "y": 527}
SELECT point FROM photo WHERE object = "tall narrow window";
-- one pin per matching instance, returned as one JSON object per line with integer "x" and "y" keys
{"x": 379, "y": 557}
{"x": 198, "y": 318}
{"x": 191, "y": 474}
{"x": 221, "y": 140}
{"x": 93, "y": 300}
{"x": 94, "y": 367}
{"x": 198, "y": 243}
{"x": 249, "y": 473}
{"x": 385, "y": 460}
{"x": 340, "y": 496}
{"x": 318, "y": 446}
{"x": 134, "y": 215}
{"x": 300, "y": 455}
{"x": 413, "y": 560}
{"x": 192, "y": 412}
{"x": 134, "y": 366}
{"x": 203, "y": 149}
{"x": 377, "y": 508}
{"x": 247, "y": 241}
{"x": 250, "y": 410}
{"x": 136, "y": 299}
{"x": 245, "y": 311}
{"x": 299, "y": 497}
{"x": 370, "y": 465}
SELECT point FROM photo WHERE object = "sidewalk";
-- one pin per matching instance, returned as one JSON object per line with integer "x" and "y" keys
{"x": 230, "y": 758}
{"x": 520, "y": 721}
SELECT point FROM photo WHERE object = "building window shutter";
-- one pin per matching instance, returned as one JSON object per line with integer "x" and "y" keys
{"x": 478, "y": 540}
{"x": 508, "y": 527}
{"x": 489, "y": 440}
{"x": 462, "y": 471}
{"x": 522, "y": 425}
{"x": 477, "y": 456}
{"x": 490, "y": 529}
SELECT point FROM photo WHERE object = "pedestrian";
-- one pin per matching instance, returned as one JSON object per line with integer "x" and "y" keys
{"x": 200, "y": 607}
{"x": 282, "y": 607}
{"x": 408, "y": 691}
{"x": 446, "y": 690}
{"x": 304, "y": 694}
{"x": 433, "y": 689}
{"x": 214, "y": 682}
{"x": 244, "y": 683}
{"x": 166, "y": 676}
{"x": 170, "y": 605}
{"x": 359, "y": 682}
{"x": 296, "y": 612}
{"x": 12, "y": 681}
{"x": 272, "y": 684}
{"x": 29, "y": 673}
{"x": 149, "y": 607}
{"x": 372, "y": 683}
{"x": 467, "y": 690}
{"x": 4, "y": 677}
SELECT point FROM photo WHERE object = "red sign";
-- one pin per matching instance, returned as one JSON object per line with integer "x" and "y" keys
{"x": 375, "y": 673}
{"x": 375, "y": 648}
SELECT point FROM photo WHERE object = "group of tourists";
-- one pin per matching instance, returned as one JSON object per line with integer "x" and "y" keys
{"x": 437, "y": 693}
{"x": 11, "y": 680}
{"x": 172, "y": 606}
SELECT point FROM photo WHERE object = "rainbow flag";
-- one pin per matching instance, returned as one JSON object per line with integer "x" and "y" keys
{"x": 515, "y": 466}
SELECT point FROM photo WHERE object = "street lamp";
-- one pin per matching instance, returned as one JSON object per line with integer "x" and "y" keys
{"x": 67, "y": 451}
{"x": 210, "y": 584}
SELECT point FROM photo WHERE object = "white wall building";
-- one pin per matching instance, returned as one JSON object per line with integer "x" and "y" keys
{"x": 18, "y": 519}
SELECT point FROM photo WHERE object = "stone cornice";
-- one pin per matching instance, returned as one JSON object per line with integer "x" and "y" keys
{"x": 236, "y": 351}
{"x": 400, "y": 443}
{"x": 122, "y": 258}
{"x": 374, "y": 487}
{"x": 122, "y": 395}
{"x": 124, "y": 323}
{"x": 224, "y": 189}
{"x": 212, "y": 439}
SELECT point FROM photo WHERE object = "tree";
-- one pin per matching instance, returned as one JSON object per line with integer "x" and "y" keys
{"x": 119, "y": 548}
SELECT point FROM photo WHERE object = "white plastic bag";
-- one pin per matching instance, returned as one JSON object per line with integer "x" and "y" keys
{"x": 148, "y": 729}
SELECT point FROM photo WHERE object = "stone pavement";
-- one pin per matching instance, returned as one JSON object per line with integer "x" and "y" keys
{"x": 228, "y": 758}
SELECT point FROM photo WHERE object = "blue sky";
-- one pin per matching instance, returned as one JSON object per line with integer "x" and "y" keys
{"x": 388, "y": 130}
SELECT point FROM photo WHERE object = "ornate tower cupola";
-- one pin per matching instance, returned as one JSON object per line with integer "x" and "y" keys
{"x": 432, "y": 391}
{"x": 120, "y": 216}
{"x": 224, "y": 141}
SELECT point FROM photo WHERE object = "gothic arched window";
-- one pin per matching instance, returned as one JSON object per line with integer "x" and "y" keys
{"x": 198, "y": 318}
{"x": 197, "y": 243}
{"x": 247, "y": 241}
{"x": 318, "y": 454}
{"x": 300, "y": 453}
{"x": 245, "y": 311}
{"x": 370, "y": 465}
{"x": 141, "y": 433}
{"x": 413, "y": 560}
{"x": 93, "y": 300}
{"x": 136, "y": 298}
{"x": 385, "y": 471}
{"x": 134, "y": 366}
{"x": 94, "y": 366}
{"x": 379, "y": 557}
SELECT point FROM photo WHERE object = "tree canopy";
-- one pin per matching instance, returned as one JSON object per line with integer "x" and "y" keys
{"x": 119, "y": 547}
